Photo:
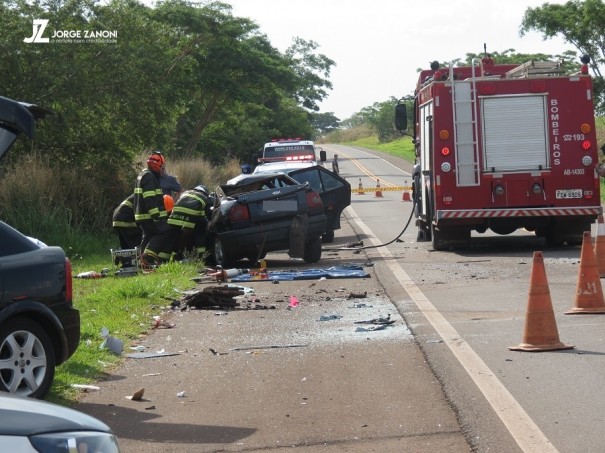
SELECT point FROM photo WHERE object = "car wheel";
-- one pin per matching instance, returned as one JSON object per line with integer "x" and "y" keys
{"x": 221, "y": 257}
{"x": 27, "y": 359}
{"x": 328, "y": 236}
{"x": 312, "y": 251}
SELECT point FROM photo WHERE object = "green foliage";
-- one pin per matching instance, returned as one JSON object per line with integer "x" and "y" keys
{"x": 62, "y": 205}
{"x": 579, "y": 23}
{"x": 324, "y": 123}
{"x": 380, "y": 117}
{"x": 182, "y": 77}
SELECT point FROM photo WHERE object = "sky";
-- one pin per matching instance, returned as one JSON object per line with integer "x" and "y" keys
{"x": 378, "y": 45}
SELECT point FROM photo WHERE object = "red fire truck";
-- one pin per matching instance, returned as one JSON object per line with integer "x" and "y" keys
{"x": 503, "y": 147}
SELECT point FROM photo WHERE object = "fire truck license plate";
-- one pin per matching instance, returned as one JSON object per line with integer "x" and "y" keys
{"x": 569, "y": 193}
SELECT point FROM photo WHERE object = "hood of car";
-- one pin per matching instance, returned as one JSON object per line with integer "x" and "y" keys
{"x": 16, "y": 118}
{"x": 25, "y": 417}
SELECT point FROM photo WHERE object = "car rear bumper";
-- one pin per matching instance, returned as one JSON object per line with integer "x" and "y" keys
{"x": 268, "y": 236}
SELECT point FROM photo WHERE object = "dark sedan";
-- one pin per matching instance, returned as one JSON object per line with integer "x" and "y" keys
{"x": 265, "y": 213}
{"x": 39, "y": 327}
{"x": 335, "y": 192}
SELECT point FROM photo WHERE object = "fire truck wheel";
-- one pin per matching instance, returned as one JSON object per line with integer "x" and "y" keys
{"x": 438, "y": 239}
{"x": 553, "y": 237}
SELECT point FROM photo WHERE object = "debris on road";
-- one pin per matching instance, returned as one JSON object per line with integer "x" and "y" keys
{"x": 293, "y": 302}
{"x": 137, "y": 396}
{"x": 329, "y": 317}
{"x": 150, "y": 355}
{"x": 213, "y": 297}
{"x": 114, "y": 344}
{"x": 273, "y": 346}
{"x": 161, "y": 323}
{"x": 377, "y": 321}
{"x": 343, "y": 271}
{"x": 86, "y": 387}
{"x": 357, "y": 295}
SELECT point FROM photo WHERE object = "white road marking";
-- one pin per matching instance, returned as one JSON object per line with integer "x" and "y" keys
{"x": 523, "y": 429}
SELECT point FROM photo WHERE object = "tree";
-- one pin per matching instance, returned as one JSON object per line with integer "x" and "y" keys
{"x": 312, "y": 72}
{"x": 325, "y": 123}
{"x": 580, "y": 23}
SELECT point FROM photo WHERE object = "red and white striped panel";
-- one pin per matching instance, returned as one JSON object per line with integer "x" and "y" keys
{"x": 542, "y": 212}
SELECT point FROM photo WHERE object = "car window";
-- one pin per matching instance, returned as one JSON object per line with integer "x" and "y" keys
{"x": 312, "y": 177}
{"x": 330, "y": 181}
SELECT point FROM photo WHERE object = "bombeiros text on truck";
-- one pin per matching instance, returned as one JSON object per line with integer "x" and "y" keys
{"x": 503, "y": 147}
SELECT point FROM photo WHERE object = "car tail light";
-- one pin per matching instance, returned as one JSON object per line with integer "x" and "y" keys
{"x": 69, "y": 293}
{"x": 239, "y": 215}
{"x": 314, "y": 200}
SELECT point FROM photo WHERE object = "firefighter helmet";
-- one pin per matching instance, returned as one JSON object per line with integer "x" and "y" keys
{"x": 201, "y": 188}
{"x": 155, "y": 162}
{"x": 168, "y": 203}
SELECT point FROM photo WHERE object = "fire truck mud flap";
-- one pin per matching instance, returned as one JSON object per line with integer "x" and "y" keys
{"x": 450, "y": 238}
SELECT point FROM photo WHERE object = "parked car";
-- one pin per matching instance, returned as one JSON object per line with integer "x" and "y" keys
{"x": 34, "y": 426}
{"x": 265, "y": 213}
{"x": 39, "y": 326}
{"x": 335, "y": 192}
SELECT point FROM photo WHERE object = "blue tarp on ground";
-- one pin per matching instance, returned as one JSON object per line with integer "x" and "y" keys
{"x": 344, "y": 271}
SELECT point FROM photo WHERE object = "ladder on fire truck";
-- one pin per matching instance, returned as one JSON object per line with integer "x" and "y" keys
{"x": 465, "y": 129}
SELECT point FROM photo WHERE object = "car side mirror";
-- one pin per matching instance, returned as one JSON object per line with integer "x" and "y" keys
{"x": 401, "y": 118}
{"x": 323, "y": 156}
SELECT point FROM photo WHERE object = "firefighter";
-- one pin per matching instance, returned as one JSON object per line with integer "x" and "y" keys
{"x": 188, "y": 222}
{"x": 150, "y": 213}
{"x": 128, "y": 232}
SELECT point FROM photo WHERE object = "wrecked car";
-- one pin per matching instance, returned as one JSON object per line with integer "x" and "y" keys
{"x": 335, "y": 192}
{"x": 39, "y": 326}
{"x": 266, "y": 213}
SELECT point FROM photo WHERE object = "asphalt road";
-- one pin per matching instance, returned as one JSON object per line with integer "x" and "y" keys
{"x": 310, "y": 377}
{"x": 465, "y": 308}
{"x": 441, "y": 379}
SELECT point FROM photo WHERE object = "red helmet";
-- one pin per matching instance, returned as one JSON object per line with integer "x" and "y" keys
{"x": 168, "y": 203}
{"x": 155, "y": 162}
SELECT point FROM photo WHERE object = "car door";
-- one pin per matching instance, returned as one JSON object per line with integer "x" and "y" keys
{"x": 335, "y": 192}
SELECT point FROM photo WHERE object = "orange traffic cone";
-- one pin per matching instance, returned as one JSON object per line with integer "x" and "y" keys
{"x": 406, "y": 193}
{"x": 589, "y": 292}
{"x": 378, "y": 193}
{"x": 360, "y": 188}
{"x": 599, "y": 247}
{"x": 540, "y": 332}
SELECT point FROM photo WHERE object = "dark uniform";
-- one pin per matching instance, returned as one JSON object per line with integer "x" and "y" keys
{"x": 188, "y": 222}
{"x": 150, "y": 213}
{"x": 128, "y": 232}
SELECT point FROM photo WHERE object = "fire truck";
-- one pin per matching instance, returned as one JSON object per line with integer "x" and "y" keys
{"x": 503, "y": 147}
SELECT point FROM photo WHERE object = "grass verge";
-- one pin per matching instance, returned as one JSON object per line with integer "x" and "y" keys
{"x": 402, "y": 147}
{"x": 125, "y": 306}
